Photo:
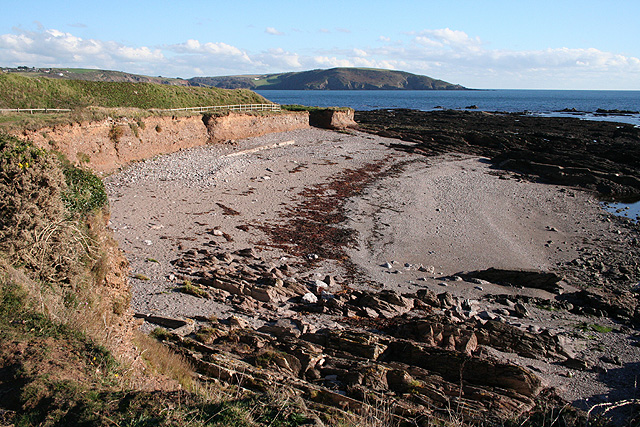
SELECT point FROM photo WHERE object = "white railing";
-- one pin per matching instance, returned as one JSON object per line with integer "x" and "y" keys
{"x": 237, "y": 107}
{"x": 34, "y": 110}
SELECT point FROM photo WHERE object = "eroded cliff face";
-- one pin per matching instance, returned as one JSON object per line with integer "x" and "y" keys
{"x": 238, "y": 126}
{"x": 107, "y": 145}
{"x": 333, "y": 119}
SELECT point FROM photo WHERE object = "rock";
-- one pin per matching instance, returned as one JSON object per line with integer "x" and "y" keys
{"x": 393, "y": 298}
{"x": 309, "y": 298}
{"x": 428, "y": 269}
{"x": 360, "y": 344}
{"x": 228, "y": 258}
{"x": 486, "y": 315}
{"x": 248, "y": 253}
{"x": 284, "y": 327}
{"x": 446, "y": 300}
{"x": 429, "y": 297}
{"x": 237, "y": 322}
{"x": 383, "y": 308}
{"x": 524, "y": 278}
{"x": 467, "y": 344}
{"x": 577, "y": 364}
{"x": 185, "y": 330}
{"x": 330, "y": 281}
{"x": 399, "y": 380}
{"x": 369, "y": 312}
{"x": 167, "y": 322}
{"x": 511, "y": 339}
{"x": 387, "y": 265}
{"x": 520, "y": 311}
{"x": 615, "y": 360}
{"x": 266, "y": 294}
{"x": 454, "y": 366}
{"x": 319, "y": 286}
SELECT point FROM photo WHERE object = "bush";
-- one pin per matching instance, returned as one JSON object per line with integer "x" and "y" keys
{"x": 85, "y": 192}
{"x": 115, "y": 133}
{"x": 32, "y": 214}
{"x": 39, "y": 197}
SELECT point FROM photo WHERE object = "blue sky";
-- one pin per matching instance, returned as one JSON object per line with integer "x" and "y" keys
{"x": 561, "y": 44}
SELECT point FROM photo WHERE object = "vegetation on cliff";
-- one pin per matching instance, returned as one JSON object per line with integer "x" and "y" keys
{"x": 69, "y": 352}
{"x": 17, "y": 91}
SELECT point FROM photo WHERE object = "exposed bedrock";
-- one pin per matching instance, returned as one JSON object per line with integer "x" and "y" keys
{"x": 596, "y": 155}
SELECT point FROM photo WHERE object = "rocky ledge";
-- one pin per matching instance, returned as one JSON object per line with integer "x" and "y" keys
{"x": 596, "y": 155}
{"x": 409, "y": 356}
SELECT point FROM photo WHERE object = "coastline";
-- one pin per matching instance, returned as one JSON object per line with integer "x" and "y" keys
{"x": 177, "y": 209}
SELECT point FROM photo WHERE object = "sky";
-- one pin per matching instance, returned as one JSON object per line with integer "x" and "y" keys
{"x": 488, "y": 44}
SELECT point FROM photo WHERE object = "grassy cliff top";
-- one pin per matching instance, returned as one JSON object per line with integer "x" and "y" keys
{"x": 17, "y": 91}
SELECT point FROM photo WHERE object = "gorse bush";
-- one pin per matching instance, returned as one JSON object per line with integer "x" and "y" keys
{"x": 85, "y": 191}
{"x": 39, "y": 197}
{"x": 32, "y": 213}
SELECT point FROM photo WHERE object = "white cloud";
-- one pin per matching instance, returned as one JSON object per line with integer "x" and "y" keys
{"x": 279, "y": 59}
{"x": 445, "y": 37}
{"x": 216, "y": 49}
{"x": 56, "y": 48}
{"x": 273, "y": 31}
{"x": 360, "y": 53}
{"x": 446, "y": 54}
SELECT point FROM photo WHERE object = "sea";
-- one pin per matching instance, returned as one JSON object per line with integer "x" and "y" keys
{"x": 583, "y": 104}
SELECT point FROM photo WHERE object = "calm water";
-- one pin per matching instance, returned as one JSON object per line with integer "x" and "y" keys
{"x": 540, "y": 102}
{"x": 629, "y": 210}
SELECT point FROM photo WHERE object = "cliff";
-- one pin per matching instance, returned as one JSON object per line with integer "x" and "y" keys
{"x": 110, "y": 144}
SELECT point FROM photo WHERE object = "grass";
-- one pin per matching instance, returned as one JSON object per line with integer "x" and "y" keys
{"x": 206, "y": 334}
{"x": 191, "y": 289}
{"x": 25, "y": 92}
{"x": 593, "y": 327}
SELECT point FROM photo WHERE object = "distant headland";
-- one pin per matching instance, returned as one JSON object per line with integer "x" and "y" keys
{"x": 331, "y": 79}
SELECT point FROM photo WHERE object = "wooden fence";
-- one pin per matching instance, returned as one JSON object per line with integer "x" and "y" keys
{"x": 34, "y": 110}
{"x": 237, "y": 107}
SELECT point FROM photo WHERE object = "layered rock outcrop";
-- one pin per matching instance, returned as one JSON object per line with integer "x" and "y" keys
{"x": 110, "y": 144}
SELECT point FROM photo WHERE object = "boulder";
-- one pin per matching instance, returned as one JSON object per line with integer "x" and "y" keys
{"x": 524, "y": 278}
